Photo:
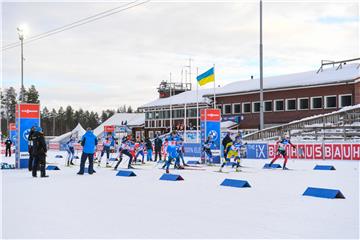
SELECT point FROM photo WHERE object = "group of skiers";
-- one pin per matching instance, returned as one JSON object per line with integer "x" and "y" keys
{"x": 172, "y": 147}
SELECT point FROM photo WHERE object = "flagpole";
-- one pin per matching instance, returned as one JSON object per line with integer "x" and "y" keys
{"x": 185, "y": 123}
{"x": 186, "y": 79}
{"x": 170, "y": 106}
{"x": 197, "y": 107}
{"x": 214, "y": 89}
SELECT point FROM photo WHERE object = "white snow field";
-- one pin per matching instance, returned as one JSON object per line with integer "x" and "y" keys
{"x": 103, "y": 205}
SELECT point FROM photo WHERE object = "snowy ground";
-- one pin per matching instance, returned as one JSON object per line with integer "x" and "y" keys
{"x": 106, "y": 206}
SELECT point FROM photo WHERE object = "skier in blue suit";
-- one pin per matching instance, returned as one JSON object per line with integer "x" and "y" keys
{"x": 140, "y": 151}
{"x": 207, "y": 149}
{"x": 107, "y": 143}
{"x": 70, "y": 150}
{"x": 172, "y": 149}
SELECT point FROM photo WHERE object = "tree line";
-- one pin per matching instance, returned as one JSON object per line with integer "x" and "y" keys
{"x": 53, "y": 121}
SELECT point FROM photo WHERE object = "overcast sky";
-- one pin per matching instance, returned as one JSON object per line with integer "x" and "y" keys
{"x": 121, "y": 59}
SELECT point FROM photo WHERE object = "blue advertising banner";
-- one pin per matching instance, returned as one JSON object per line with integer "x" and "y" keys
{"x": 13, "y": 136}
{"x": 192, "y": 149}
{"x": 257, "y": 151}
{"x": 27, "y": 116}
{"x": 210, "y": 126}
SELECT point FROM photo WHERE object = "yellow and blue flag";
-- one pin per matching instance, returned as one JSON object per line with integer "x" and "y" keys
{"x": 206, "y": 77}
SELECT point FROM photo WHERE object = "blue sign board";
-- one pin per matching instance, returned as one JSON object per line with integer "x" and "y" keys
{"x": 257, "y": 151}
{"x": 27, "y": 116}
{"x": 210, "y": 126}
{"x": 192, "y": 149}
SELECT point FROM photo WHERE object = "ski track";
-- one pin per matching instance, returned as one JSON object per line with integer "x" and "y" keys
{"x": 103, "y": 205}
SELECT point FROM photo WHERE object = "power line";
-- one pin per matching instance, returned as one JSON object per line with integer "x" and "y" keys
{"x": 70, "y": 24}
{"x": 77, "y": 23}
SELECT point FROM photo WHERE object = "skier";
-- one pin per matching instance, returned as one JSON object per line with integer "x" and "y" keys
{"x": 70, "y": 150}
{"x": 89, "y": 142}
{"x": 164, "y": 149}
{"x": 106, "y": 149}
{"x": 281, "y": 150}
{"x": 39, "y": 152}
{"x": 125, "y": 148}
{"x": 172, "y": 149}
{"x": 207, "y": 149}
{"x": 234, "y": 150}
{"x": 158, "y": 145}
{"x": 140, "y": 151}
{"x": 8, "y": 144}
{"x": 181, "y": 151}
{"x": 227, "y": 139}
{"x": 149, "y": 149}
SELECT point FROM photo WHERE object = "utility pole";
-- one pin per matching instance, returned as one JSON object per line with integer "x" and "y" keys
{"x": 261, "y": 74}
{"x": 21, "y": 37}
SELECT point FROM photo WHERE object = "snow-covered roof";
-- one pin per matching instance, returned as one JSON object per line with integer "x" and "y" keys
{"x": 133, "y": 119}
{"x": 226, "y": 125}
{"x": 348, "y": 72}
{"x": 188, "y": 97}
{"x": 77, "y": 131}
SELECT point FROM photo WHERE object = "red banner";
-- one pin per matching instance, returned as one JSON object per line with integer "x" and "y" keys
{"x": 331, "y": 151}
{"x": 109, "y": 128}
{"x": 210, "y": 114}
{"x": 54, "y": 146}
{"x": 28, "y": 110}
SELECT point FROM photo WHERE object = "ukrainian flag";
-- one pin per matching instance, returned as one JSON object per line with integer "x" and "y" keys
{"x": 206, "y": 77}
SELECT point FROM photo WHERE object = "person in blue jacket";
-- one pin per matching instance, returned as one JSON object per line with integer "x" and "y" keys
{"x": 88, "y": 142}
{"x": 172, "y": 149}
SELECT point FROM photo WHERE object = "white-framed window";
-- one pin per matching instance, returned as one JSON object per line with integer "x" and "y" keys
{"x": 246, "y": 107}
{"x": 227, "y": 109}
{"x": 236, "y": 108}
{"x": 303, "y": 103}
{"x": 278, "y": 105}
{"x": 316, "y": 102}
{"x": 255, "y": 107}
{"x": 345, "y": 100}
{"x": 268, "y": 106}
{"x": 330, "y": 101}
{"x": 218, "y": 106}
{"x": 151, "y": 134}
{"x": 290, "y": 104}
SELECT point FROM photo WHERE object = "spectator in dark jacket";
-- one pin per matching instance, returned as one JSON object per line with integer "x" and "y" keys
{"x": 8, "y": 144}
{"x": 158, "y": 144}
{"x": 149, "y": 149}
{"x": 88, "y": 142}
{"x": 30, "y": 148}
{"x": 39, "y": 152}
{"x": 227, "y": 139}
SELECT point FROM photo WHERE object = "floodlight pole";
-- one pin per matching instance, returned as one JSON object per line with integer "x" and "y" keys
{"x": 21, "y": 37}
{"x": 261, "y": 74}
